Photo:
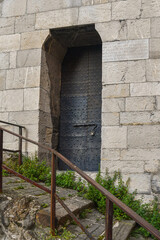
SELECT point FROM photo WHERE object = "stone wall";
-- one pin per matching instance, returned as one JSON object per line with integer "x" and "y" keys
{"x": 131, "y": 73}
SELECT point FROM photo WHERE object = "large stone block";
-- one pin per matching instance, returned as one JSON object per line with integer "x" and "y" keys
{"x": 115, "y": 91}
{"x": 4, "y": 60}
{"x": 29, "y": 58}
{"x": 134, "y": 118}
{"x": 2, "y": 79}
{"x": 110, "y": 154}
{"x": 155, "y": 30}
{"x": 31, "y": 98}
{"x": 9, "y": 42}
{"x": 147, "y": 155}
{"x": 126, "y": 9}
{"x": 152, "y": 167}
{"x": 24, "y": 117}
{"x": 158, "y": 102}
{"x": 125, "y": 50}
{"x": 140, "y": 104}
{"x": 156, "y": 184}
{"x": 113, "y": 105}
{"x": 124, "y": 72}
{"x": 33, "y": 39}
{"x": 123, "y": 166}
{"x": 23, "y": 77}
{"x": 114, "y": 137}
{"x": 138, "y": 28}
{"x": 93, "y": 14}
{"x": 16, "y": 78}
{"x": 7, "y": 25}
{"x": 13, "y": 8}
{"x": 139, "y": 182}
{"x": 3, "y": 116}
{"x": 33, "y": 77}
{"x": 58, "y": 18}
{"x": 35, "y": 6}
{"x": 150, "y": 8}
{"x": 110, "y": 119}
{"x": 25, "y": 23}
{"x": 154, "y": 48}
{"x": 144, "y": 136}
{"x": 111, "y": 31}
{"x": 145, "y": 89}
{"x": 13, "y": 100}
{"x": 13, "y": 57}
{"x": 153, "y": 70}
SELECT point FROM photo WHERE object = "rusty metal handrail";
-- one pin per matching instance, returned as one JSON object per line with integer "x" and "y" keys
{"x": 20, "y": 141}
{"x": 109, "y": 201}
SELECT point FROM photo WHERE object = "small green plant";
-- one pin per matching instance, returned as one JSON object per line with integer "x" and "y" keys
{"x": 64, "y": 234}
{"x": 19, "y": 187}
{"x": 44, "y": 205}
{"x": 118, "y": 188}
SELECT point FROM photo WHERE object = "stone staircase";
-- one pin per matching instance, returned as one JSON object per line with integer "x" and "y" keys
{"x": 83, "y": 208}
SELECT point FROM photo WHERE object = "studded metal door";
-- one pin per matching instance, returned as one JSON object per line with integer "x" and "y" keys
{"x": 80, "y": 117}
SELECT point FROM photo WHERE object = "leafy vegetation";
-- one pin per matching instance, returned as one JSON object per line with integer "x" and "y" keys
{"x": 39, "y": 171}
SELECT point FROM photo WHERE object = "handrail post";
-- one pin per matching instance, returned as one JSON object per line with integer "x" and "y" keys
{"x": 20, "y": 147}
{"x": 109, "y": 219}
{"x": 1, "y": 158}
{"x": 53, "y": 199}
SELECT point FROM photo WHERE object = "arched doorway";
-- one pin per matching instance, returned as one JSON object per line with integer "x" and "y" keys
{"x": 75, "y": 94}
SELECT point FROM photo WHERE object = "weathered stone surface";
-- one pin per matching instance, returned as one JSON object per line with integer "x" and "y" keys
{"x": 9, "y": 42}
{"x": 4, "y": 60}
{"x": 7, "y": 25}
{"x": 24, "y": 117}
{"x": 13, "y": 100}
{"x": 156, "y": 184}
{"x": 33, "y": 39}
{"x": 123, "y": 166}
{"x": 92, "y": 2}
{"x": 154, "y": 48}
{"x": 33, "y": 77}
{"x": 145, "y": 89}
{"x": 3, "y": 116}
{"x": 149, "y": 155}
{"x": 16, "y": 78}
{"x": 144, "y": 136}
{"x": 139, "y": 182}
{"x": 150, "y": 8}
{"x": 45, "y": 101}
{"x": 114, "y": 137}
{"x": 35, "y": 6}
{"x": 137, "y": 29}
{"x": 125, "y": 50}
{"x": 140, "y": 104}
{"x": 13, "y": 8}
{"x": 135, "y": 118}
{"x": 58, "y": 18}
{"x": 152, "y": 167}
{"x": 158, "y": 102}
{"x": 113, "y": 105}
{"x": 29, "y": 58}
{"x": 31, "y": 99}
{"x": 2, "y": 79}
{"x": 155, "y": 31}
{"x": 110, "y": 154}
{"x": 13, "y": 57}
{"x": 153, "y": 70}
{"x": 124, "y": 72}
{"x": 25, "y": 23}
{"x": 110, "y": 119}
{"x": 111, "y": 31}
{"x": 126, "y": 10}
{"x": 115, "y": 91}
{"x": 97, "y": 13}
{"x": 122, "y": 230}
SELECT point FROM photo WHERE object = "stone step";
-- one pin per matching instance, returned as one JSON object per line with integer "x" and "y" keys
{"x": 75, "y": 204}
